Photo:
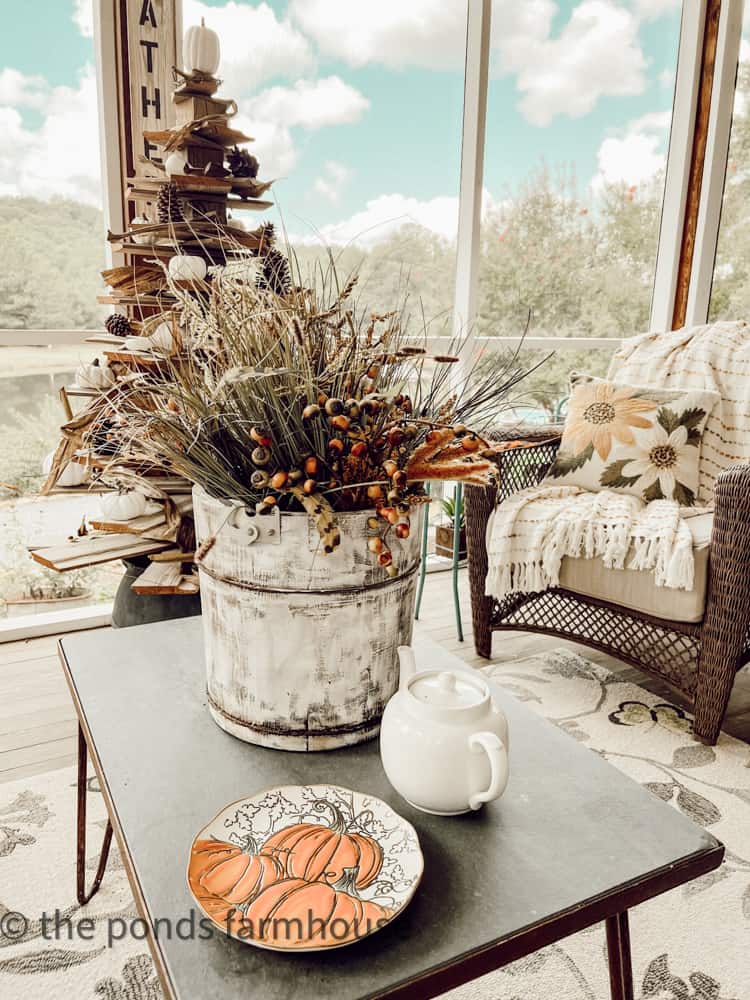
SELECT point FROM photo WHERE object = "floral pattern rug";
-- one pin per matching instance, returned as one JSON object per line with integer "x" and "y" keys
{"x": 690, "y": 944}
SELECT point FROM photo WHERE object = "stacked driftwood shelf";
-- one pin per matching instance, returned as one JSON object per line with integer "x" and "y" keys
{"x": 182, "y": 225}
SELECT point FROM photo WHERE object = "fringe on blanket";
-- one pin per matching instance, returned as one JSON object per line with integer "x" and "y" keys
{"x": 590, "y": 534}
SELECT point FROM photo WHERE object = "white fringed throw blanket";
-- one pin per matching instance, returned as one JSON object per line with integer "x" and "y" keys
{"x": 531, "y": 532}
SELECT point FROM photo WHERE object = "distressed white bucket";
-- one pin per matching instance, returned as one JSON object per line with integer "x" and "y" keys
{"x": 301, "y": 647}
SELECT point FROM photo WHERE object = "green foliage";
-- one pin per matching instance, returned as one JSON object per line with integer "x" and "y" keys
{"x": 448, "y": 506}
{"x": 613, "y": 478}
{"x": 24, "y": 441}
{"x": 566, "y": 462}
{"x": 52, "y": 254}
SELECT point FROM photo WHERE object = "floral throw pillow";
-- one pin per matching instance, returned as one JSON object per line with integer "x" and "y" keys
{"x": 635, "y": 439}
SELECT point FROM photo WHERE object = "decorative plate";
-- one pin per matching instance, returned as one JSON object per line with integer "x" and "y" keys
{"x": 304, "y": 867}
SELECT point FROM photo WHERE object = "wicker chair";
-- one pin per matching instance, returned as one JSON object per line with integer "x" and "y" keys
{"x": 700, "y": 659}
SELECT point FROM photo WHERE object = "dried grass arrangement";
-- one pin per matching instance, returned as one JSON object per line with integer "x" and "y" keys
{"x": 288, "y": 395}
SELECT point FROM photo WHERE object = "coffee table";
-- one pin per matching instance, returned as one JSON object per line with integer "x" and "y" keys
{"x": 572, "y": 842}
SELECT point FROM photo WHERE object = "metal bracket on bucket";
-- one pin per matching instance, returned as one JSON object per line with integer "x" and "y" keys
{"x": 259, "y": 525}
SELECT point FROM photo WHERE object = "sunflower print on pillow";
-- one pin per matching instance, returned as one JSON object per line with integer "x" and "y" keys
{"x": 634, "y": 439}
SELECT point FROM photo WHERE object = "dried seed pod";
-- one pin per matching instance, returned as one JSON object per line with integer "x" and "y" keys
{"x": 279, "y": 480}
{"x": 407, "y": 406}
{"x": 410, "y": 431}
{"x": 433, "y": 437}
{"x": 373, "y": 523}
{"x": 390, "y": 514}
{"x": 393, "y": 496}
{"x": 391, "y": 569}
{"x": 402, "y": 529}
{"x": 336, "y": 445}
{"x": 470, "y": 442}
{"x": 309, "y": 486}
{"x": 295, "y": 476}
{"x": 399, "y": 478}
{"x": 445, "y": 359}
{"x": 311, "y": 411}
{"x": 390, "y": 467}
{"x": 334, "y": 406}
{"x": 260, "y": 456}
{"x": 359, "y": 448}
{"x": 375, "y": 491}
{"x": 269, "y": 501}
{"x": 395, "y": 436}
{"x": 373, "y": 371}
{"x": 322, "y": 398}
{"x": 375, "y": 544}
{"x": 385, "y": 558}
{"x": 340, "y": 422}
{"x": 311, "y": 465}
{"x": 259, "y": 479}
{"x": 351, "y": 406}
{"x": 261, "y": 437}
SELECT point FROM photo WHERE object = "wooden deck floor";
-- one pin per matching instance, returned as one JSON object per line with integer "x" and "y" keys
{"x": 37, "y": 720}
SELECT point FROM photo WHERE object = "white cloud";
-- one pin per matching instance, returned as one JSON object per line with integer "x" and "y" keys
{"x": 311, "y": 104}
{"x": 394, "y": 33}
{"x": 596, "y": 54}
{"x": 635, "y": 156}
{"x": 61, "y": 156}
{"x": 83, "y": 16}
{"x": 386, "y": 214}
{"x": 256, "y": 45}
{"x": 650, "y": 10}
{"x": 331, "y": 183}
{"x": 22, "y": 91}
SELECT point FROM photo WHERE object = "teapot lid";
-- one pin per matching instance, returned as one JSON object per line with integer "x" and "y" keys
{"x": 445, "y": 689}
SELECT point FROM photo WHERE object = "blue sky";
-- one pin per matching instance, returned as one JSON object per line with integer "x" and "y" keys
{"x": 357, "y": 105}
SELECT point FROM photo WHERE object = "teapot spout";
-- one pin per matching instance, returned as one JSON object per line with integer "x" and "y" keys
{"x": 408, "y": 665}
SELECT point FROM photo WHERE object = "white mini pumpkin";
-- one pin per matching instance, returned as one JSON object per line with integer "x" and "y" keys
{"x": 74, "y": 473}
{"x": 137, "y": 343}
{"x": 94, "y": 376}
{"x": 176, "y": 162}
{"x": 187, "y": 267}
{"x": 201, "y": 50}
{"x": 142, "y": 238}
{"x": 122, "y": 506}
{"x": 161, "y": 339}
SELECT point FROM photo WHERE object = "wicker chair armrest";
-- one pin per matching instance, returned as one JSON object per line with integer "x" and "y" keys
{"x": 525, "y": 432}
{"x": 728, "y": 605}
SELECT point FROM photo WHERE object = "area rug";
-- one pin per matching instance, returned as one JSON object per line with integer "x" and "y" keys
{"x": 690, "y": 944}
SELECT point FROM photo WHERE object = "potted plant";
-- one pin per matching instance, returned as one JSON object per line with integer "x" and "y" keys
{"x": 28, "y": 589}
{"x": 444, "y": 533}
{"x": 308, "y": 426}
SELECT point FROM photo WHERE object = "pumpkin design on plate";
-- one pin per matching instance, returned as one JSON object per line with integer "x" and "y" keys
{"x": 304, "y": 867}
{"x": 295, "y": 912}
{"x": 231, "y": 873}
{"x": 313, "y": 852}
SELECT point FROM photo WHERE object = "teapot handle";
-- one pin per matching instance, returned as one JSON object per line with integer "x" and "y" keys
{"x": 498, "y": 755}
{"x": 408, "y": 665}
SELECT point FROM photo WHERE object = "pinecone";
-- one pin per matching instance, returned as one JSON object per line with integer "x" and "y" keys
{"x": 118, "y": 325}
{"x": 169, "y": 204}
{"x": 266, "y": 231}
{"x": 241, "y": 163}
{"x": 275, "y": 276}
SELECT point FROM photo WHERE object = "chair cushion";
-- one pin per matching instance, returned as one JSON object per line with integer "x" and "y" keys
{"x": 642, "y": 440}
{"x": 636, "y": 589}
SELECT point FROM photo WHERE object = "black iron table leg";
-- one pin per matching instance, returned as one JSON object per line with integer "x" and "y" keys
{"x": 83, "y": 896}
{"x": 618, "y": 951}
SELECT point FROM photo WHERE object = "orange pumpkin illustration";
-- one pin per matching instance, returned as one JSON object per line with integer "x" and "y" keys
{"x": 294, "y": 913}
{"x": 313, "y": 852}
{"x": 230, "y": 873}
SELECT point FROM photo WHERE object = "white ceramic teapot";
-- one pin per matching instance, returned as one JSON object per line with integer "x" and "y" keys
{"x": 443, "y": 742}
